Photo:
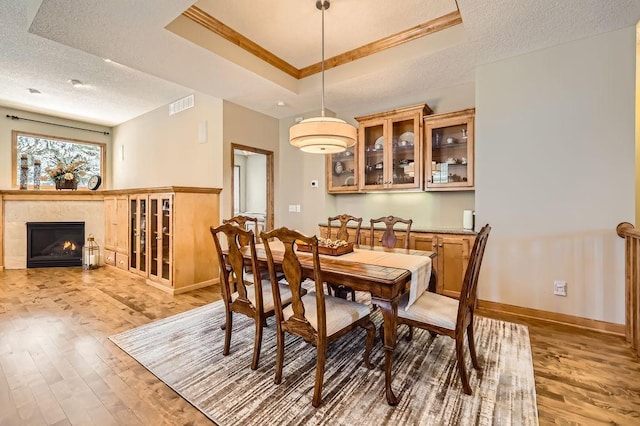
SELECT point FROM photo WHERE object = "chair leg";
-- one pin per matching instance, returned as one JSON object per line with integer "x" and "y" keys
{"x": 409, "y": 334}
{"x": 257, "y": 343}
{"x": 279, "y": 354}
{"x": 371, "y": 335}
{"x": 353, "y": 295}
{"x": 463, "y": 372}
{"x": 227, "y": 331}
{"x": 320, "y": 360}
{"x": 472, "y": 346}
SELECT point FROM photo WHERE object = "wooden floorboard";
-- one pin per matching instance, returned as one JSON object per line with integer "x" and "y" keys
{"x": 57, "y": 366}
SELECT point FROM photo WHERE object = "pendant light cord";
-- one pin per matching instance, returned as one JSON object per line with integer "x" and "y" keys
{"x": 323, "y": 4}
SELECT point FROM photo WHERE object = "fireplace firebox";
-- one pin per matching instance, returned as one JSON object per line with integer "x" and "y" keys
{"x": 54, "y": 244}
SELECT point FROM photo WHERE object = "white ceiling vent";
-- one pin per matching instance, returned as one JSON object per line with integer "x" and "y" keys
{"x": 181, "y": 104}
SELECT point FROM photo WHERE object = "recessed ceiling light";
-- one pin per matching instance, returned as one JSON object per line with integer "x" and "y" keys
{"x": 280, "y": 104}
{"x": 76, "y": 83}
{"x": 34, "y": 91}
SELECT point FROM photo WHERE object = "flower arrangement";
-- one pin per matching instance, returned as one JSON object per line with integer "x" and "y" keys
{"x": 71, "y": 172}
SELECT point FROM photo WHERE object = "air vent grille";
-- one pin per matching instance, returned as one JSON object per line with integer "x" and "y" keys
{"x": 181, "y": 104}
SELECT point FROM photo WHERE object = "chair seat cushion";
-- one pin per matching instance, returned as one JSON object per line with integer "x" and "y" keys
{"x": 267, "y": 295}
{"x": 340, "y": 312}
{"x": 431, "y": 308}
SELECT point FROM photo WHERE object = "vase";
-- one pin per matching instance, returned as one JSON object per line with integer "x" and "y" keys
{"x": 24, "y": 170}
{"x": 37, "y": 170}
{"x": 67, "y": 184}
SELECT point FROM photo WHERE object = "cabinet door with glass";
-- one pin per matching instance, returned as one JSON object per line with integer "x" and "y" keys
{"x": 449, "y": 164}
{"x": 160, "y": 241}
{"x": 342, "y": 171}
{"x": 138, "y": 244}
{"x": 390, "y": 146}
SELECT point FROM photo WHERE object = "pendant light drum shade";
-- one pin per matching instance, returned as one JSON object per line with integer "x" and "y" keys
{"x": 322, "y": 135}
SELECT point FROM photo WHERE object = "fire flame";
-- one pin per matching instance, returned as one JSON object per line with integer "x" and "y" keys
{"x": 68, "y": 245}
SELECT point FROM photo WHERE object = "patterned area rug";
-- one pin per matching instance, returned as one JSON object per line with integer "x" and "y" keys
{"x": 185, "y": 352}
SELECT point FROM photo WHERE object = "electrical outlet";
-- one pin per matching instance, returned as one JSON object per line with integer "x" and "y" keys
{"x": 560, "y": 288}
{"x": 292, "y": 208}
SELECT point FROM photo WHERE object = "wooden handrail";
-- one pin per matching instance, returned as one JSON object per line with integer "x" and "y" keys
{"x": 631, "y": 236}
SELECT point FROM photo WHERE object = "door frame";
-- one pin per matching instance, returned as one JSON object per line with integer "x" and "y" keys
{"x": 269, "y": 220}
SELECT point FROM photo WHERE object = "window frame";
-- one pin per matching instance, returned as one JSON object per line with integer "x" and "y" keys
{"x": 49, "y": 184}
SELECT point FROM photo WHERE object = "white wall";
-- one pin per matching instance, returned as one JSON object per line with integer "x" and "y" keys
{"x": 246, "y": 127}
{"x": 256, "y": 189}
{"x": 7, "y": 126}
{"x": 164, "y": 150}
{"x": 555, "y": 174}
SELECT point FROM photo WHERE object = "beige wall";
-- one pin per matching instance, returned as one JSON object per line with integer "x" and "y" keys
{"x": 555, "y": 174}
{"x": 246, "y": 127}
{"x": 162, "y": 150}
{"x": 7, "y": 126}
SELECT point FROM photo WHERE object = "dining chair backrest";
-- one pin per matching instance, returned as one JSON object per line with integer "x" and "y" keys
{"x": 468, "y": 293}
{"x": 245, "y": 222}
{"x": 294, "y": 275}
{"x": 232, "y": 270}
{"x": 343, "y": 232}
{"x": 389, "y": 238}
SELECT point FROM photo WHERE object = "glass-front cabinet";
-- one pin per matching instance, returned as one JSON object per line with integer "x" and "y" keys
{"x": 160, "y": 207}
{"x": 390, "y": 149}
{"x": 342, "y": 171}
{"x": 138, "y": 210}
{"x": 449, "y": 151}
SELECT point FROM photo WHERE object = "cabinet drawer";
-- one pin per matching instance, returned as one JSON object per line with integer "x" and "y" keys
{"x": 110, "y": 257}
{"x": 122, "y": 261}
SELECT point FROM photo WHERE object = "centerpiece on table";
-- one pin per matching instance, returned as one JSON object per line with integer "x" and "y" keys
{"x": 66, "y": 176}
{"x": 327, "y": 246}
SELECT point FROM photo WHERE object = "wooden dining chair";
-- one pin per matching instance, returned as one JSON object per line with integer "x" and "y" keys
{"x": 444, "y": 315}
{"x": 317, "y": 317}
{"x": 240, "y": 295}
{"x": 343, "y": 234}
{"x": 343, "y": 231}
{"x": 245, "y": 222}
{"x": 389, "y": 238}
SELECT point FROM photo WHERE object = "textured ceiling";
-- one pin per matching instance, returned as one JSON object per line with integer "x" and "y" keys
{"x": 43, "y": 44}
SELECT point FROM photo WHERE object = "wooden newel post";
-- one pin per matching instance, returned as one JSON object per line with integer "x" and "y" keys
{"x": 632, "y": 282}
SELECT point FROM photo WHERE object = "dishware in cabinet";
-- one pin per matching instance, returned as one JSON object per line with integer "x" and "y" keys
{"x": 449, "y": 163}
{"x": 342, "y": 171}
{"x": 390, "y": 149}
{"x": 160, "y": 240}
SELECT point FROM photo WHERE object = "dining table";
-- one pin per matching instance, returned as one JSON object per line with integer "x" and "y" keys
{"x": 364, "y": 270}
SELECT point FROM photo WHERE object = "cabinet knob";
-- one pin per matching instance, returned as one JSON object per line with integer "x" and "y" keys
{"x": 121, "y": 262}
{"x": 158, "y": 238}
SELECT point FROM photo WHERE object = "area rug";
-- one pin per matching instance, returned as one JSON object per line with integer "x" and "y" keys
{"x": 185, "y": 352}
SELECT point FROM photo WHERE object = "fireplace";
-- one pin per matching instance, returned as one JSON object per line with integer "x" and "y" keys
{"x": 53, "y": 244}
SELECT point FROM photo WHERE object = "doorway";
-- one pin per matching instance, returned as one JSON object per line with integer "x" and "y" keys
{"x": 252, "y": 184}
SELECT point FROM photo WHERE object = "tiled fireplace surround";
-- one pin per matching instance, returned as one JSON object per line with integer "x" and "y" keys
{"x": 19, "y": 207}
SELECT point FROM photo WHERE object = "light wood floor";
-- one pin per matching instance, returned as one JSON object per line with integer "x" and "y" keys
{"x": 57, "y": 366}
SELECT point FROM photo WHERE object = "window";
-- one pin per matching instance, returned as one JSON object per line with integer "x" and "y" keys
{"x": 51, "y": 150}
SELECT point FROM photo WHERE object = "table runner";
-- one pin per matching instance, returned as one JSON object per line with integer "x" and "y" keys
{"x": 419, "y": 266}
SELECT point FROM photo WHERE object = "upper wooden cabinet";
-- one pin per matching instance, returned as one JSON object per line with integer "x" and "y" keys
{"x": 449, "y": 151}
{"x": 390, "y": 149}
{"x": 342, "y": 171}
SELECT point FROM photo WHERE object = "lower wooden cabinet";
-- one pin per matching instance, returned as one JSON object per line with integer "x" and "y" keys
{"x": 168, "y": 237}
{"x": 452, "y": 251}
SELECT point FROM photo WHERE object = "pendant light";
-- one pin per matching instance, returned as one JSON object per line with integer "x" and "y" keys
{"x": 322, "y": 135}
